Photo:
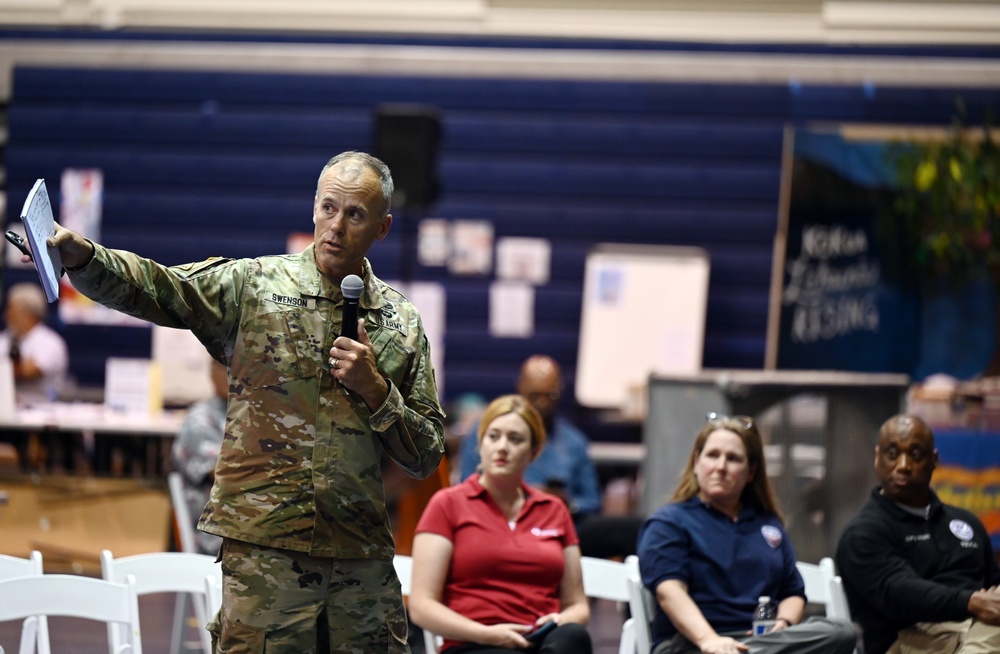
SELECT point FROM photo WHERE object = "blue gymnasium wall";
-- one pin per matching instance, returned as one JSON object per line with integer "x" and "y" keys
{"x": 202, "y": 164}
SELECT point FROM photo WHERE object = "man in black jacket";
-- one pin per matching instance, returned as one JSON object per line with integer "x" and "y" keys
{"x": 920, "y": 576}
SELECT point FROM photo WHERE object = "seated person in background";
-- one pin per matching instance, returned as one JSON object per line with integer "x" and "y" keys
{"x": 920, "y": 575}
{"x": 564, "y": 467}
{"x": 494, "y": 558}
{"x": 37, "y": 353}
{"x": 718, "y": 547}
{"x": 196, "y": 451}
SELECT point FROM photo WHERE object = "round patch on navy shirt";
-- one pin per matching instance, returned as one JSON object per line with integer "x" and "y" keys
{"x": 772, "y": 535}
{"x": 961, "y": 529}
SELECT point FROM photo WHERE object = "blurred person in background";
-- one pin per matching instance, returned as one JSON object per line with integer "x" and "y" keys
{"x": 39, "y": 360}
{"x": 720, "y": 545}
{"x": 196, "y": 451}
{"x": 37, "y": 353}
{"x": 564, "y": 468}
{"x": 920, "y": 575}
{"x": 495, "y": 558}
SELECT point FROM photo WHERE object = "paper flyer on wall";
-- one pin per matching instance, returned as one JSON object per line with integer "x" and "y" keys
{"x": 39, "y": 226}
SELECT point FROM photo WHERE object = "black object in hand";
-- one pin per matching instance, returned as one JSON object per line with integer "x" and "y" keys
{"x": 351, "y": 287}
{"x": 18, "y": 242}
{"x": 540, "y": 633}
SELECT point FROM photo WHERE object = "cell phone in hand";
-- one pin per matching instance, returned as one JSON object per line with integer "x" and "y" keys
{"x": 539, "y": 633}
{"x": 18, "y": 241}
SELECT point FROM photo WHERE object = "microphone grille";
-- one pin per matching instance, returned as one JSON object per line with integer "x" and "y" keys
{"x": 352, "y": 286}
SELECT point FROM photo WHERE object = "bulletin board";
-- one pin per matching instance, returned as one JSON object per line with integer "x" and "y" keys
{"x": 643, "y": 313}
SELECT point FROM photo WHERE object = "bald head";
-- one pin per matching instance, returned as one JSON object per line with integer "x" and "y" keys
{"x": 541, "y": 384}
{"x": 905, "y": 459}
{"x": 905, "y": 425}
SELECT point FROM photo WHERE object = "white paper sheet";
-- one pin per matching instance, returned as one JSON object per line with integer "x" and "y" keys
{"x": 512, "y": 309}
{"x": 526, "y": 259}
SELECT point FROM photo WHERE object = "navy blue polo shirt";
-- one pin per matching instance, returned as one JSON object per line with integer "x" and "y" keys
{"x": 725, "y": 564}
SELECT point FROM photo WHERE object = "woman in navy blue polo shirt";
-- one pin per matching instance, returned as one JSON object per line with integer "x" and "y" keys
{"x": 718, "y": 546}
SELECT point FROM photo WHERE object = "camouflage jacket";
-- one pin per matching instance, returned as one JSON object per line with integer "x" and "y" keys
{"x": 299, "y": 463}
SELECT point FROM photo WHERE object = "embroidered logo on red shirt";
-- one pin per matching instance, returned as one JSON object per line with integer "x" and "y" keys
{"x": 544, "y": 533}
{"x": 772, "y": 535}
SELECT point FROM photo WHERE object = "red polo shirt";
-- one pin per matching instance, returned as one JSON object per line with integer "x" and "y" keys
{"x": 499, "y": 574}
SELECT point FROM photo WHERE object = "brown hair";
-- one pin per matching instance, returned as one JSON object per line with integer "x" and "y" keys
{"x": 515, "y": 404}
{"x": 758, "y": 492}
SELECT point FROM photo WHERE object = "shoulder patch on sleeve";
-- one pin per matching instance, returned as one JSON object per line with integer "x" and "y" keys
{"x": 191, "y": 270}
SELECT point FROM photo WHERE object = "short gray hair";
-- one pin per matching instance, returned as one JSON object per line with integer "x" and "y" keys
{"x": 29, "y": 297}
{"x": 375, "y": 164}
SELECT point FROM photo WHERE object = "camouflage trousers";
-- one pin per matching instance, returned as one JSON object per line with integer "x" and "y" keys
{"x": 278, "y": 601}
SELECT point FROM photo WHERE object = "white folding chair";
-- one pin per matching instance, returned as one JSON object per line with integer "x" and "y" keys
{"x": 608, "y": 580}
{"x": 404, "y": 570}
{"x": 168, "y": 572}
{"x": 76, "y": 597}
{"x": 817, "y": 578}
{"x": 838, "y": 607}
{"x": 185, "y": 523}
{"x": 213, "y": 595}
{"x": 34, "y": 627}
{"x": 641, "y": 603}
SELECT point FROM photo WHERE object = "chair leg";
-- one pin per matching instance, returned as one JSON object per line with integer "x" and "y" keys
{"x": 180, "y": 618}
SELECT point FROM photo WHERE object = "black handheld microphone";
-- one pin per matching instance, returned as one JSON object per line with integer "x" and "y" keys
{"x": 351, "y": 288}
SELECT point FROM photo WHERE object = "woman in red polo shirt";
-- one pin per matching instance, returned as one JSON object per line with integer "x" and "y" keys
{"x": 495, "y": 560}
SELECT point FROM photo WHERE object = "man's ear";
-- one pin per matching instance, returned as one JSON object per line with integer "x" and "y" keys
{"x": 383, "y": 227}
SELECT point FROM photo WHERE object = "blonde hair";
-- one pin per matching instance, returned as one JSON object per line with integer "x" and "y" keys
{"x": 758, "y": 492}
{"x": 518, "y": 405}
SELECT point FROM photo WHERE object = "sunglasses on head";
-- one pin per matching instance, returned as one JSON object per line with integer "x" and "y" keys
{"x": 719, "y": 418}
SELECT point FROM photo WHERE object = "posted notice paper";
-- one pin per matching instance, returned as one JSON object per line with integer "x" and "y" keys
{"x": 38, "y": 227}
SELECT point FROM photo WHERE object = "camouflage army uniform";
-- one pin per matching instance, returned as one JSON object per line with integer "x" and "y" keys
{"x": 298, "y": 474}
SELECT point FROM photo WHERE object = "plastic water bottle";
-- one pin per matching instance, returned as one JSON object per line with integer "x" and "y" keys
{"x": 763, "y": 616}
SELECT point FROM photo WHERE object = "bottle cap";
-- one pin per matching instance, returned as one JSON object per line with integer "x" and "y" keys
{"x": 764, "y": 599}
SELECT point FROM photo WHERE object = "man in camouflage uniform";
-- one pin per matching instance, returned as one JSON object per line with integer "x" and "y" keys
{"x": 307, "y": 550}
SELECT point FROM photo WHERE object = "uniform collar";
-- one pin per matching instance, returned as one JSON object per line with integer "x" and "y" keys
{"x": 933, "y": 501}
{"x": 747, "y": 511}
{"x": 313, "y": 283}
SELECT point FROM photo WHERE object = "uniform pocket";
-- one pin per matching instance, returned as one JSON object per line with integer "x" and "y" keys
{"x": 399, "y": 630}
{"x": 274, "y": 349}
{"x": 236, "y": 638}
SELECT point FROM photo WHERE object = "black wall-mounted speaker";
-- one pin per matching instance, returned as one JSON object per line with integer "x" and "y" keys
{"x": 406, "y": 138}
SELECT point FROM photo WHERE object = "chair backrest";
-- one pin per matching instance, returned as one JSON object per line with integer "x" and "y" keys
{"x": 604, "y": 579}
{"x": 36, "y": 627}
{"x": 404, "y": 570}
{"x": 837, "y": 607}
{"x": 165, "y": 572}
{"x": 641, "y": 603}
{"x": 15, "y": 566}
{"x": 817, "y": 578}
{"x": 185, "y": 524}
{"x": 608, "y": 580}
{"x": 213, "y": 594}
{"x": 76, "y": 597}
